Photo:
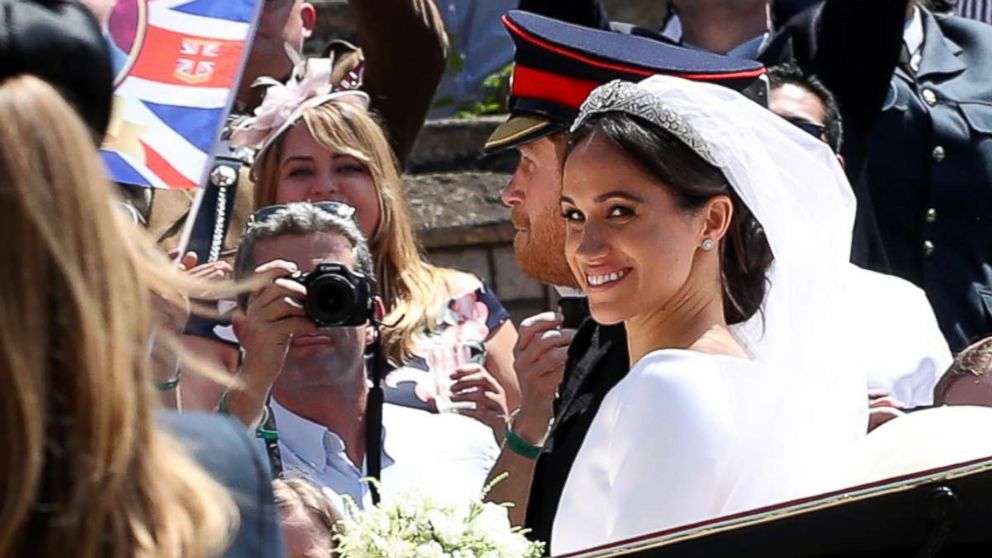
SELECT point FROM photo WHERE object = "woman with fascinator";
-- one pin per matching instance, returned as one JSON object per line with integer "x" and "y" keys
{"x": 320, "y": 143}
{"x": 719, "y": 235}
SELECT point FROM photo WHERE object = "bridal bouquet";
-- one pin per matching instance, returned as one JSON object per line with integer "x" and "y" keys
{"x": 414, "y": 525}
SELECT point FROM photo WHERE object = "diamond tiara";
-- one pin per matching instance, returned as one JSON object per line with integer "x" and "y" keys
{"x": 631, "y": 98}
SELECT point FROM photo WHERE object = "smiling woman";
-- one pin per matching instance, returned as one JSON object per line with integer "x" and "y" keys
{"x": 653, "y": 226}
{"x": 676, "y": 196}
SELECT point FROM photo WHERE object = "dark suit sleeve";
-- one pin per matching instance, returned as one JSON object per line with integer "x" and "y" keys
{"x": 589, "y": 13}
{"x": 406, "y": 49}
{"x": 856, "y": 54}
{"x": 858, "y": 45}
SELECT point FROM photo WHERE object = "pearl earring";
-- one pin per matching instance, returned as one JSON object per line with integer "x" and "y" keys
{"x": 708, "y": 244}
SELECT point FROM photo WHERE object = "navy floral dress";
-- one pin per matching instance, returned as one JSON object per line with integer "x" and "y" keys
{"x": 468, "y": 320}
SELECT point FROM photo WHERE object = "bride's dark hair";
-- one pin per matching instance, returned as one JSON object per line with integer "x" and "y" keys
{"x": 744, "y": 254}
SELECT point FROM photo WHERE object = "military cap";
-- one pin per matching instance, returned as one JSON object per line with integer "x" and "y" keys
{"x": 558, "y": 64}
{"x": 60, "y": 42}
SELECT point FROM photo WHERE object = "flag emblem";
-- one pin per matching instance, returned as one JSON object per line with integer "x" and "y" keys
{"x": 198, "y": 60}
{"x": 178, "y": 64}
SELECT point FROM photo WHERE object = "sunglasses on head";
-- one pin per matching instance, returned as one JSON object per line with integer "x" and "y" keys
{"x": 816, "y": 130}
{"x": 338, "y": 209}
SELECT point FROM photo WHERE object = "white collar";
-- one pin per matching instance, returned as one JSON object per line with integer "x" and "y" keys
{"x": 312, "y": 442}
{"x": 912, "y": 34}
{"x": 307, "y": 439}
{"x": 569, "y": 292}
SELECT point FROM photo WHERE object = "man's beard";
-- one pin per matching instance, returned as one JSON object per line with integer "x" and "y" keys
{"x": 540, "y": 253}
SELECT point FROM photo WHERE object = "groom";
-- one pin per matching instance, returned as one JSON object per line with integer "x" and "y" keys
{"x": 565, "y": 374}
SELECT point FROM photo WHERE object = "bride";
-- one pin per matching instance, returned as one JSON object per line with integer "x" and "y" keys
{"x": 718, "y": 233}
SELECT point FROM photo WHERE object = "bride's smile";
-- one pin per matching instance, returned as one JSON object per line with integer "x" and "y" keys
{"x": 605, "y": 280}
{"x": 631, "y": 241}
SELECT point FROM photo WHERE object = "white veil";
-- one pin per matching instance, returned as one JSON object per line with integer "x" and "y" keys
{"x": 796, "y": 189}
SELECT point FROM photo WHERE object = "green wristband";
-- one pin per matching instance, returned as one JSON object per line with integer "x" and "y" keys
{"x": 168, "y": 385}
{"x": 222, "y": 404}
{"x": 518, "y": 446}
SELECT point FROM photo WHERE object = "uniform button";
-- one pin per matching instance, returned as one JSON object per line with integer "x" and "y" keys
{"x": 939, "y": 154}
{"x": 927, "y": 247}
{"x": 931, "y": 215}
{"x": 930, "y": 97}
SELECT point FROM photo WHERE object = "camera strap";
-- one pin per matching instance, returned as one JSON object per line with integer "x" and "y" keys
{"x": 373, "y": 418}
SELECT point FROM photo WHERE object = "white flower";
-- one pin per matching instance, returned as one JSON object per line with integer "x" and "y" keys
{"x": 449, "y": 529}
{"x": 492, "y": 519}
{"x": 430, "y": 550}
{"x": 413, "y": 525}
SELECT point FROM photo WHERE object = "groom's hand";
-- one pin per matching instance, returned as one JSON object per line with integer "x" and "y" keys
{"x": 539, "y": 360}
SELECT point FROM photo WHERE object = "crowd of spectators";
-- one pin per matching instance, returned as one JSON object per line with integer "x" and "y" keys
{"x": 422, "y": 387}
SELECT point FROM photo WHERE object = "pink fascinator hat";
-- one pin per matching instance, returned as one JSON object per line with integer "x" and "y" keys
{"x": 308, "y": 86}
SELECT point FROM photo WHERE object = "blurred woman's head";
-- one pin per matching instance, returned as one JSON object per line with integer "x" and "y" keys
{"x": 652, "y": 225}
{"x": 337, "y": 151}
{"x": 308, "y": 519}
{"x": 90, "y": 474}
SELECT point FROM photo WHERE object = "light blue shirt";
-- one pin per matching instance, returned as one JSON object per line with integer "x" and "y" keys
{"x": 445, "y": 455}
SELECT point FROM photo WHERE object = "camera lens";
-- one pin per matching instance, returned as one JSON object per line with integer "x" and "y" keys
{"x": 330, "y": 299}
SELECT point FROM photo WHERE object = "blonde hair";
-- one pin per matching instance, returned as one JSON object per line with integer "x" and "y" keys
{"x": 413, "y": 290}
{"x": 86, "y": 472}
{"x": 295, "y": 492}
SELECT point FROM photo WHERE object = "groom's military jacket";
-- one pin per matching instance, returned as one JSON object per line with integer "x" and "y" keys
{"x": 597, "y": 360}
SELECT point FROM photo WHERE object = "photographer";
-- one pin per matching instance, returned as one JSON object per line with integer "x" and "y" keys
{"x": 316, "y": 374}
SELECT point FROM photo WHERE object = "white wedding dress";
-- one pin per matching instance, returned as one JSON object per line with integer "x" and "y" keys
{"x": 688, "y": 436}
{"x": 684, "y": 437}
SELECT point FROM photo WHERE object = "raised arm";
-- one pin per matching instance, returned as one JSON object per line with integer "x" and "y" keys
{"x": 857, "y": 51}
{"x": 539, "y": 360}
{"x": 406, "y": 50}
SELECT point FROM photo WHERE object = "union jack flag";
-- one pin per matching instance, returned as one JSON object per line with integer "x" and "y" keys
{"x": 178, "y": 63}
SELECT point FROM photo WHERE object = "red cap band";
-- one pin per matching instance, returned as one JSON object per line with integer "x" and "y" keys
{"x": 529, "y": 83}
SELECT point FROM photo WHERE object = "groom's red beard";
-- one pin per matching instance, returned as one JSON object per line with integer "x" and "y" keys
{"x": 540, "y": 250}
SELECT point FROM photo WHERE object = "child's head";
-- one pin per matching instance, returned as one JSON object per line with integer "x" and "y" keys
{"x": 967, "y": 381}
{"x": 308, "y": 518}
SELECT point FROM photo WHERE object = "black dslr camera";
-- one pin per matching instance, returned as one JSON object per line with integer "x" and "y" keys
{"x": 336, "y": 296}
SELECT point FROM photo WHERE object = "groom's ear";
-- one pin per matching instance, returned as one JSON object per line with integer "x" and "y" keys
{"x": 717, "y": 214}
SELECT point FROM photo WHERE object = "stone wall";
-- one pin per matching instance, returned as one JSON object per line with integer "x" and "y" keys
{"x": 458, "y": 214}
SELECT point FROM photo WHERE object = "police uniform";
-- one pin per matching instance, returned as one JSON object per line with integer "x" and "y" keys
{"x": 557, "y": 65}
{"x": 929, "y": 172}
